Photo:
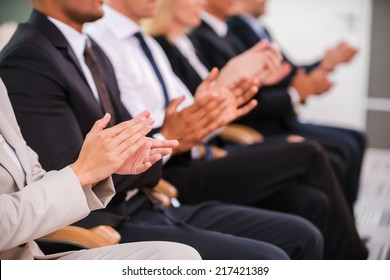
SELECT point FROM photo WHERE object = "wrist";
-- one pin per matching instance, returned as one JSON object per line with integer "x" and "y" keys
{"x": 327, "y": 65}
{"x": 82, "y": 176}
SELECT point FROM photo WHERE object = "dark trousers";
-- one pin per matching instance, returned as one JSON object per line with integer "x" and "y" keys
{"x": 293, "y": 178}
{"x": 345, "y": 148}
{"x": 222, "y": 231}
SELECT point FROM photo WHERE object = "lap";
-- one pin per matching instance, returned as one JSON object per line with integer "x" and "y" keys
{"x": 152, "y": 250}
{"x": 219, "y": 231}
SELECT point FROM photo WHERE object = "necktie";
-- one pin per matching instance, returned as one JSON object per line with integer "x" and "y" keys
{"x": 105, "y": 100}
{"x": 263, "y": 34}
{"x": 150, "y": 57}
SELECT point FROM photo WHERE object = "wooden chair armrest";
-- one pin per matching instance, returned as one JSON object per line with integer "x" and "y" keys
{"x": 88, "y": 238}
{"x": 241, "y": 134}
{"x": 166, "y": 188}
{"x": 166, "y": 193}
{"x": 216, "y": 151}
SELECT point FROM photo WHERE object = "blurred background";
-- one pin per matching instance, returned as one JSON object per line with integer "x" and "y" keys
{"x": 360, "y": 98}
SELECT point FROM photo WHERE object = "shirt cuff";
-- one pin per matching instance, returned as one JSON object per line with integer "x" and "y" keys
{"x": 294, "y": 96}
{"x": 159, "y": 136}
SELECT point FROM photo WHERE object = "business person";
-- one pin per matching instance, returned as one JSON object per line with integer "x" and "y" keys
{"x": 349, "y": 144}
{"x": 65, "y": 88}
{"x": 34, "y": 203}
{"x": 241, "y": 178}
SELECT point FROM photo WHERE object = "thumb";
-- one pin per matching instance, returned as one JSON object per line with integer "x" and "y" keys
{"x": 101, "y": 124}
{"x": 172, "y": 107}
{"x": 212, "y": 77}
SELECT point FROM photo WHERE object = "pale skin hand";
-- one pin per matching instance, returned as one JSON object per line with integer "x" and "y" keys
{"x": 250, "y": 63}
{"x": 122, "y": 149}
{"x": 259, "y": 62}
{"x": 277, "y": 75}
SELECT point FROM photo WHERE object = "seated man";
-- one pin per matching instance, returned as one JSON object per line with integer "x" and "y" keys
{"x": 68, "y": 82}
{"x": 34, "y": 203}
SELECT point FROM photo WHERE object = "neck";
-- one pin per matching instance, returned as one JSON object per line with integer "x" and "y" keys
{"x": 52, "y": 12}
{"x": 215, "y": 13}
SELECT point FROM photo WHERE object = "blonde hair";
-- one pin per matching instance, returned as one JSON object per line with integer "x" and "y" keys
{"x": 159, "y": 25}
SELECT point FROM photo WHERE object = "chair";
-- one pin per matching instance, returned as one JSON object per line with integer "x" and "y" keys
{"x": 76, "y": 238}
{"x": 241, "y": 134}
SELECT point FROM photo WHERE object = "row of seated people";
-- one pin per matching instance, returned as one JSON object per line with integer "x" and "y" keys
{"x": 285, "y": 198}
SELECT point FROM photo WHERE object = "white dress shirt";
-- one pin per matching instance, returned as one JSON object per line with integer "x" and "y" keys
{"x": 139, "y": 86}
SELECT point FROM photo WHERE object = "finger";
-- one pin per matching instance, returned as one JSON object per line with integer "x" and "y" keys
{"x": 248, "y": 95}
{"x": 131, "y": 125}
{"x": 172, "y": 107}
{"x": 275, "y": 50}
{"x": 130, "y": 150}
{"x": 143, "y": 167}
{"x": 160, "y": 151}
{"x": 239, "y": 83}
{"x": 133, "y": 142}
{"x": 206, "y": 103}
{"x": 211, "y": 78}
{"x": 156, "y": 143}
{"x": 260, "y": 46}
{"x": 246, "y": 109}
{"x": 101, "y": 124}
{"x": 132, "y": 131}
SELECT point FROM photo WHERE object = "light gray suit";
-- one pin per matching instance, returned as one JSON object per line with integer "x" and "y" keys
{"x": 44, "y": 202}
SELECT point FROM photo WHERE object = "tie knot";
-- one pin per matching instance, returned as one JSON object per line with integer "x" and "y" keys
{"x": 139, "y": 36}
{"x": 88, "y": 52}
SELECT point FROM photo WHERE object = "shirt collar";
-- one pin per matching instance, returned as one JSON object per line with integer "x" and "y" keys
{"x": 76, "y": 39}
{"x": 220, "y": 27}
{"x": 254, "y": 23}
{"x": 121, "y": 26}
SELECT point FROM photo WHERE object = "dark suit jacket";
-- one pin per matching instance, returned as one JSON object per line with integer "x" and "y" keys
{"x": 274, "y": 112}
{"x": 249, "y": 38}
{"x": 180, "y": 65}
{"x": 55, "y": 106}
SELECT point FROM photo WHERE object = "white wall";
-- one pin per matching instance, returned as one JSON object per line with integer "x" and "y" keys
{"x": 304, "y": 29}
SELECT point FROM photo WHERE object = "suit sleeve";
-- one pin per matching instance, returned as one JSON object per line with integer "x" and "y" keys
{"x": 37, "y": 93}
{"x": 51, "y": 203}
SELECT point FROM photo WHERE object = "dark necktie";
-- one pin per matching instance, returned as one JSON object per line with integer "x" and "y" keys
{"x": 150, "y": 57}
{"x": 105, "y": 100}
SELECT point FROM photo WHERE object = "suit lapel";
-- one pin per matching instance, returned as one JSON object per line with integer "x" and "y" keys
{"x": 56, "y": 38}
{"x": 219, "y": 41}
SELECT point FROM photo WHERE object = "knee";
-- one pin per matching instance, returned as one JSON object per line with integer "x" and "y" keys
{"x": 320, "y": 203}
{"x": 177, "y": 251}
{"x": 360, "y": 138}
{"x": 185, "y": 252}
{"x": 310, "y": 240}
{"x": 315, "y": 202}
